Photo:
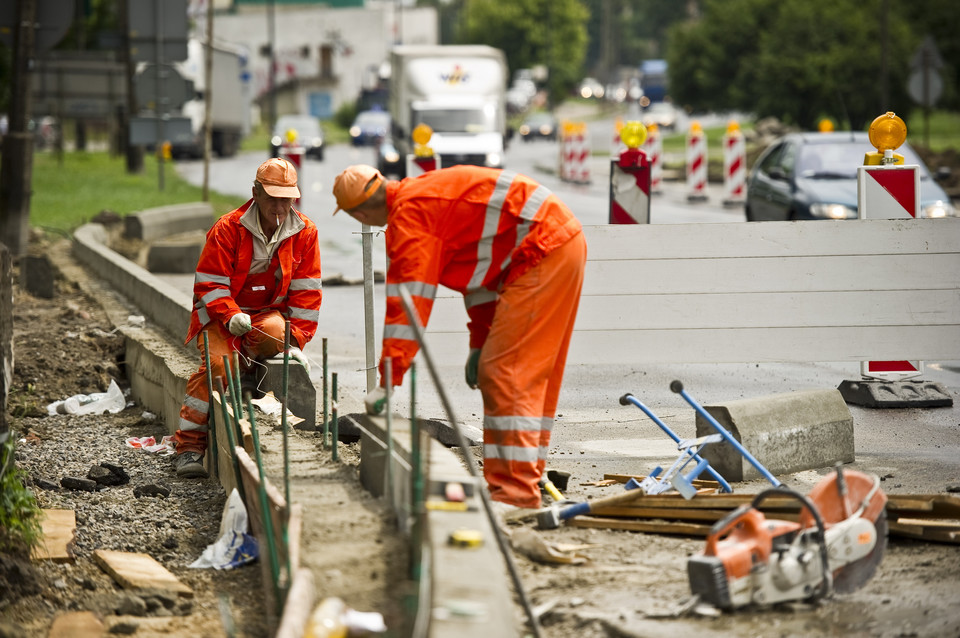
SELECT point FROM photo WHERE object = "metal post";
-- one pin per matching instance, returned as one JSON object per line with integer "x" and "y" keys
{"x": 333, "y": 418}
{"x": 159, "y": 111}
{"x": 326, "y": 423}
{"x": 366, "y": 234}
{"x": 388, "y": 474}
{"x": 207, "y": 101}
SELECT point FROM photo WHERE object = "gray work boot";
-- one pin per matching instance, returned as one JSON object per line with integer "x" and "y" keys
{"x": 190, "y": 465}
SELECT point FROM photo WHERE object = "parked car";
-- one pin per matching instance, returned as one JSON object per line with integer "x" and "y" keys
{"x": 814, "y": 176}
{"x": 539, "y": 125}
{"x": 368, "y": 127}
{"x": 306, "y": 131}
{"x": 663, "y": 114}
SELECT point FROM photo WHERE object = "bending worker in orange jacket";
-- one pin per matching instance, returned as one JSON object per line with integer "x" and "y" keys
{"x": 517, "y": 254}
{"x": 259, "y": 267}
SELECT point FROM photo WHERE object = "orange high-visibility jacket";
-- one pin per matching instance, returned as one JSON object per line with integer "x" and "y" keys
{"x": 470, "y": 229}
{"x": 225, "y": 263}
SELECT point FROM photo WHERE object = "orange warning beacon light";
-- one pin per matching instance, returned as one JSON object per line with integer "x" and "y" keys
{"x": 887, "y": 132}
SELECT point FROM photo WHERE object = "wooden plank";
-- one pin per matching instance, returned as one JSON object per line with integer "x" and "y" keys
{"x": 59, "y": 530}
{"x": 133, "y": 570}
{"x": 925, "y": 530}
{"x": 773, "y": 239}
{"x": 684, "y": 529}
{"x": 771, "y": 274}
{"x": 76, "y": 624}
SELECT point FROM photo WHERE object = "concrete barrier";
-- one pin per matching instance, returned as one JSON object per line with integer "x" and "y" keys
{"x": 164, "y": 221}
{"x": 786, "y": 433}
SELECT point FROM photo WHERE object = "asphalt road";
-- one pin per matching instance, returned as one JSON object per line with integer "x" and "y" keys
{"x": 594, "y": 433}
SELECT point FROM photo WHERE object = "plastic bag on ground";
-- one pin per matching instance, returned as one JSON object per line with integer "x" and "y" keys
{"x": 111, "y": 401}
{"x": 234, "y": 548}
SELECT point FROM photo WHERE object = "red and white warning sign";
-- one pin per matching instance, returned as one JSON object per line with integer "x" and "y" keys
{"x": 891, "y": 370}
{"x": 888, "y": 192}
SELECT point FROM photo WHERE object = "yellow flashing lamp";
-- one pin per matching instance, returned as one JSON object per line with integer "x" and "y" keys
{"x": 733, "y": 128}
{"x": 421, "y": 137}
{"x": 825, "y": 125}
{"x": 291, "y": 135}
{"x": 695, "y": 128}
{"x": 653, "y": 129}
{"x": 633, "y": 134}
{"x": 887, "y": 132}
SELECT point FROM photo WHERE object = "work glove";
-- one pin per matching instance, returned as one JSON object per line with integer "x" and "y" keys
{"x": 239, "y": 324}
{"x": 375, "y": 400}
{"x": 472, "y": 368}
{"x": 297, "y": 355}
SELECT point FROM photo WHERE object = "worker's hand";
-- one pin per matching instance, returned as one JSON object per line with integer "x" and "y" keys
{"x": 239, "y": 324}
{"x": 297, "y": 355}
{"x": 375, "y": 400}
{"x": 472, "y": 368}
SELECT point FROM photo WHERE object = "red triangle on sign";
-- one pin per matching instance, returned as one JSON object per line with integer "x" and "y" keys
{"x": 901, "y": 184}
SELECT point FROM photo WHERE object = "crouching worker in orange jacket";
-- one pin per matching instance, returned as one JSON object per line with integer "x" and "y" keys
{"x": 517, "y": 255}
{"x": 259, "y": 267}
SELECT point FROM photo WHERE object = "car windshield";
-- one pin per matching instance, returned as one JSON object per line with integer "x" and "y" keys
{"x": 841, "y": 160}
{"x": 303, "y": 125}
{"x": 373, "y": 118}
{"x": 458, "y": 120}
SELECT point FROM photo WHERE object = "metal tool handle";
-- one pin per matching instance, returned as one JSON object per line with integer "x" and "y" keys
{"x": 677, "y": 386}
{"x": 629, "y": 398}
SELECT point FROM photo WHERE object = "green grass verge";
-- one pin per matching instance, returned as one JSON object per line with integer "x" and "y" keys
{"x": 68, "y": 194}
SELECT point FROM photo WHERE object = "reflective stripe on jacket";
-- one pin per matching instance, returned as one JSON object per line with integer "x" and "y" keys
{"x": 472, "y": 230}
{"x": 224, "y": 266}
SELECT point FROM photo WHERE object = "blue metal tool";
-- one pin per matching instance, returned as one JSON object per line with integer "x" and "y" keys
{"x": 677, "y": 386}
{"x": 690, "y": 451}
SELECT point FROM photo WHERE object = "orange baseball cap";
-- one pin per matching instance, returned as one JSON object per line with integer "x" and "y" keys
{"x": 355, "y": 185}
{"x": 279, "y": 178}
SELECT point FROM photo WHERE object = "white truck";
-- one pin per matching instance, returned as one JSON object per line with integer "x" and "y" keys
{"x": 459, "y": 91}
{"x": 230, "y": 109}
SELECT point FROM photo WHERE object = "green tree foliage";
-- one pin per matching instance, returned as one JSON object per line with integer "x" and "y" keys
{"x": 532, "y": 32}
{"x": 940, "y": 19}
{"x": 799, "y": 61}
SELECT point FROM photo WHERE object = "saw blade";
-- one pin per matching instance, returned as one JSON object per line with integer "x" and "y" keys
{"x": 853, "y": 576}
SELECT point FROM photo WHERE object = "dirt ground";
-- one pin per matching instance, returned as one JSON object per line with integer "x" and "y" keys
{"x": 66, "y": 346}
{"x": 628, "y": 585}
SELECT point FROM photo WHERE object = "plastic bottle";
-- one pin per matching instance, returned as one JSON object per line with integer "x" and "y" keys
{"x": 328, "y": 620}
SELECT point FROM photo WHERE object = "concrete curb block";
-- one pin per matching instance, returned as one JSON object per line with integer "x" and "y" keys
{"x": 469, "y": 586}
{"x": 786, "y": 433}
{"x": 157, "y": 223}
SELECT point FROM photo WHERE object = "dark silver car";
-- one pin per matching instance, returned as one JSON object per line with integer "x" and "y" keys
{"x": 814, "y": 176}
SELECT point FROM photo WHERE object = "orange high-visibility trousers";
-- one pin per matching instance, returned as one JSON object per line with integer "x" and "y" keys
{"x": 264, "y": 340}
{"x": 521, "y": 370}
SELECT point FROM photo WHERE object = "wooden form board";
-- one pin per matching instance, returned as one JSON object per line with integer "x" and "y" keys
{"x": 133, "y": 570}
{"x": 760, "y": 292}
{"x": 59, "y": 529}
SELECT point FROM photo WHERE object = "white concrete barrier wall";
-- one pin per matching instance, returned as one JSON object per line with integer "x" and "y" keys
{"x": 760, "y": 292}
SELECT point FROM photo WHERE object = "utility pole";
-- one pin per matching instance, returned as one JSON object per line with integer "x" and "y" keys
{"x": 207, "y": 102}
{"x": 16, "y": 169}
{"x": 134, "y": 153}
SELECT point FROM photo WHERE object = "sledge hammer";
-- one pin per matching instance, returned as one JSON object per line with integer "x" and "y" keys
{"x": 551, "y": 517}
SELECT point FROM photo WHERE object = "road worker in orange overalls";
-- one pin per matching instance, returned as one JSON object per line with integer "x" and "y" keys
{"x": 517, "y": 255}
{"x": 259, "y": 267}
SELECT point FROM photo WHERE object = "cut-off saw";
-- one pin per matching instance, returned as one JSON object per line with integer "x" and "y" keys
{"x": 835, "y": 546}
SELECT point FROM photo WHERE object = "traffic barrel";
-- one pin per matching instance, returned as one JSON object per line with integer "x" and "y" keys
{"x": 734, "y": 166}
{"x": 696, "y": 163}
{"x": 653, "y": 147}
{"x": 630, "y": 179}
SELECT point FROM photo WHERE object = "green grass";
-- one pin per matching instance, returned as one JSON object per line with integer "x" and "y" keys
{"x": 944, "y": 130}
{"x": 68, "y": 194}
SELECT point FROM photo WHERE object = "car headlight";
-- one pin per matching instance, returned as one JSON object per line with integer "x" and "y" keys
{"x": 355, "y": 131}
{"x": 276, "y": 141}
{"x": 832, "y": 211}
{"x": 317, "y": 142}
{"x": 939, "y": 209}
{"x": 545, "y": 130}
{"x": 524, "y": 130}
{"x": 391, "y": 156}
{"x": 493, "y": 159}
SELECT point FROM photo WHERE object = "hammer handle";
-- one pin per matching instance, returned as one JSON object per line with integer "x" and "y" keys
{"x": 606, "y": 501}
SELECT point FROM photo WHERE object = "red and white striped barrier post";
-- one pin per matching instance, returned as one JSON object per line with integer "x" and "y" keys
{"x": 696, "y": 163}
{"x": 734, "y": 166}
{"x": 653, "y": 147}
{"x": 630, "y": 179}
{"x": 888, "y": 189}
{"x": 575, "y": 153}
